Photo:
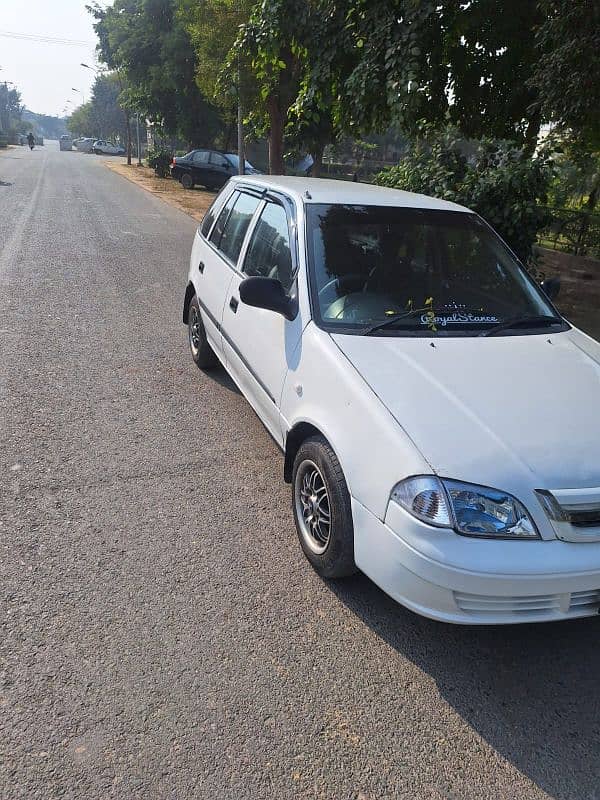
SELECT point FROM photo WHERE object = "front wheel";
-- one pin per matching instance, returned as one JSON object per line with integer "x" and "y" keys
{"x": 202, "y": 353}
{"x": 322, "y": 511}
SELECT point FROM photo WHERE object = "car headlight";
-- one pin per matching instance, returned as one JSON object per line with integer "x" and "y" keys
{"x": 469, "y": 509}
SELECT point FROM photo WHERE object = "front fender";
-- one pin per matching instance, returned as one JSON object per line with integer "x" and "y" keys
{"x": 323, "y": 389}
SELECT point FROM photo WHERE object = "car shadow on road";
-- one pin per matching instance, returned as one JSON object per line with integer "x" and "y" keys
{"x": 531, "y": 691}
{"x": 220, "y": 375}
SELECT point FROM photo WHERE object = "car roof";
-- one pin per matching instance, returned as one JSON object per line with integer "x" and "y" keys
{"x": 325, "y": 190}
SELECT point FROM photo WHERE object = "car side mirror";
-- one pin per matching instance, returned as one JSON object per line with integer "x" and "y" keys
{"x": 551, "y": 287}
{"x": 268, "y": 293}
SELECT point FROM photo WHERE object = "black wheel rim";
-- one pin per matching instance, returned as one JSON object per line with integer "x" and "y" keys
{"x": 195, "y": 329}
{"x": 313, "y": 509}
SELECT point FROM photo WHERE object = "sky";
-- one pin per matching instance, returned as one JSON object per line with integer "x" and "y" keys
{"x": 47, "y": 72}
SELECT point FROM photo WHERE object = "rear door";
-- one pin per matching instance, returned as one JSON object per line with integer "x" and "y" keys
{"x": 199, "y": 166}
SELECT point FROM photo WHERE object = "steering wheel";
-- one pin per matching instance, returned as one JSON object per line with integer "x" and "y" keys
{"x": 344, "y": 282}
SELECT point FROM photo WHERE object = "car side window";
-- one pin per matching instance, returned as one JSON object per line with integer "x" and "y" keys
{"x": 237, "y": 225}
{"x": 218, "y": 160}
{"x": 217, "y": 231}
{"x": 269, "y": 254}
{"x": 200, "y": 157}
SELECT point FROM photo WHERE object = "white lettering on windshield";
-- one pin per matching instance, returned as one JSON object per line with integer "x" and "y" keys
{"x": 458, "y": 318}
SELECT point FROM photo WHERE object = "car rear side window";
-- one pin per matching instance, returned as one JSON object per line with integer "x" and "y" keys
{"x": 237, "y": 224}
{"x": 219, "y": 160}
{"x": 269, "y": 253}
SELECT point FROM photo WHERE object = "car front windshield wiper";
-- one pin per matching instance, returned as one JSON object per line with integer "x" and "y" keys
{"x": 523, "y": 322}
{"x": 389, "y": 323}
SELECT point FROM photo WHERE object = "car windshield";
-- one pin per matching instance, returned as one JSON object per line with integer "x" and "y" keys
{"x": 414, "y": 271}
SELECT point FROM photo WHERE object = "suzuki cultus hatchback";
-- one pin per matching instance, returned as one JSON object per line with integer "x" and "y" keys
{"x": 440, "y": 420}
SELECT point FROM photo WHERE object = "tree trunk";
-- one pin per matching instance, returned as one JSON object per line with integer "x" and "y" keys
{"x": 531, "y": 134}
{"x": 228, "y": 137}
{"x": 317, "y": 155}
{"x": 128, "y": 131}
{"x": 276, "y": 165}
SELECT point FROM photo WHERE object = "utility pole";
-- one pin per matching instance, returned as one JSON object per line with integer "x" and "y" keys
{"x": 139, "y": 154}
{"x": 240, "y": 124}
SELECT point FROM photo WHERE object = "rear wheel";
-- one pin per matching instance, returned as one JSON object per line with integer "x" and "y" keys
{"x": 202, "y": 353}
{"x": 322, "y": 511}
{"x": 187, "y": 181}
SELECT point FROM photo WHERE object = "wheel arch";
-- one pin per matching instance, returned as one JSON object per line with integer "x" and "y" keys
{"x": 299, "y": 433}
{"x": 190, "y": 291}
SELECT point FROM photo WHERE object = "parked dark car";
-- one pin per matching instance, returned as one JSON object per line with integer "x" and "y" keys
{"x": 209, "y": 168}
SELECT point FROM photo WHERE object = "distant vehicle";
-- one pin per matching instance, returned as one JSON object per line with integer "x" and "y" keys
{"x": 85, "y": 144}
{"x": 209, "y": 168}
{"x": 65, "y": 142}
{"x": 102, "y": 147}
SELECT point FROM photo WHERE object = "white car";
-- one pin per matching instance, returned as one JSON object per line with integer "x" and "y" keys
{"x": 440, "y": 421}
{"x": 107, "y": 148}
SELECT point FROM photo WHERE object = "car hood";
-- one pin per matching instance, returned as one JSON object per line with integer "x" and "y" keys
{"x": 499, "y": 411}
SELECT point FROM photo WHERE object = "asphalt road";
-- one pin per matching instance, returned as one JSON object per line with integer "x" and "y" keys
{"x": 161, "y": 634}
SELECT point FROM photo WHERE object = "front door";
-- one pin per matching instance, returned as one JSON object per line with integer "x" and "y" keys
{"x": 260, "y": 345}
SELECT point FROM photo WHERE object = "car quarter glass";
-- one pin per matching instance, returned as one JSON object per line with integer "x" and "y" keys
{"x": 219, "y": 227}
{"x": 420, "y": 271}
{"x": 269, "y": 254}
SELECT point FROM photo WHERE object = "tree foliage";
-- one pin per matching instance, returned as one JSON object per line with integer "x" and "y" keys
{"x": 148, "y": 43}
{"x": 102, "y": 116}
{"x": 567, "y": 77}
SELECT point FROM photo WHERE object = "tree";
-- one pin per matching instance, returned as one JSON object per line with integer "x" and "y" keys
{"x": 213, "y": 26}
{"x": 147, "y": 42}
{"x": 80, "y": 122}
{"x": 568, "y": 82}
{"x": 567, "y": 77}
{"x": 441, "y": 61}
{"x": 10, "y": 107}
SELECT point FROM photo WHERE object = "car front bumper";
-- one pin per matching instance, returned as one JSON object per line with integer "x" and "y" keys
{"x": 452, "y": 578}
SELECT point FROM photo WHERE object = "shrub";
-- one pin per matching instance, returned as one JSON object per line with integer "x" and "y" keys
{"x": 495, "y": 179}
{"x": 159, "y": 158}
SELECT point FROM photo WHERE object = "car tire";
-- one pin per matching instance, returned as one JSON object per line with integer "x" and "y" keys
{"x": 202, "y": 353}
{"x": 96, "y": 152}
{"x": 322, "y": 510}
{"x": 187, "y": 181}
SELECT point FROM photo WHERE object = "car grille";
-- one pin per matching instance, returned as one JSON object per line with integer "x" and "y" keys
{"x": 581, "y": 603}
